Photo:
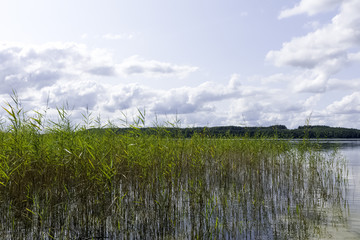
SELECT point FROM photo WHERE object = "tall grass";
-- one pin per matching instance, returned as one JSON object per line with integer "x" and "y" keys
{"x": 59, "y": 180}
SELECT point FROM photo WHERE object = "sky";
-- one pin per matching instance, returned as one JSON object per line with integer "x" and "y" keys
{"x": 201, "y": 63}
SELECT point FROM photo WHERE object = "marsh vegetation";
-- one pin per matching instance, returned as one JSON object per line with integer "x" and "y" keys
{"x": 59, "y": 180}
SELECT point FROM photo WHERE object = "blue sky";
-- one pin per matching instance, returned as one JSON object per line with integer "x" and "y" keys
{"x": 207, "y": 63}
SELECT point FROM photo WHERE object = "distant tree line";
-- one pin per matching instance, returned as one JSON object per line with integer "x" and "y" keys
{"x": 279, "y": 131}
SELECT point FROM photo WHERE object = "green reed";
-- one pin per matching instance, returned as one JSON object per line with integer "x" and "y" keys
{"x": 60, "y": 180}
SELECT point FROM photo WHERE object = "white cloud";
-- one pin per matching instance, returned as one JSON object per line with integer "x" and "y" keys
{"x": 325, "y": 51}
{"x": 310, "y": 7}
{"x": 37, "y": 66}
{"x": 78, "y": 94}
{"x": 354, "y": 57}
{"x": 335, "y": 84}
{"x": 136, "y": 65}
{"x": 235, "y": 82}
{"x": 349, "y": 104}
{"x": 102, "y": 70}
{"x": 317, "y": 48}
{"x": 123, "y": 97}
{"x": 312, "y": 81}
{"x": 328, "y": 43}
{"x": 201, "y": 98}
{"x": 25, "y": 66}
{"x": 264, "y": 105}
{"x": 61, "y": 73}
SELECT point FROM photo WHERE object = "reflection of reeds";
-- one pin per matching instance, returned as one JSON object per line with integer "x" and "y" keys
{"x": 64, "y": 182}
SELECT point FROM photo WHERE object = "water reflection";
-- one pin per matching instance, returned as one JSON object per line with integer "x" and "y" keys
{"x": 351, "y": 150}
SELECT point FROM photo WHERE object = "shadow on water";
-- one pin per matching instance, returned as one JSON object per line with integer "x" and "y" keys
{"x": 198, "y": 188}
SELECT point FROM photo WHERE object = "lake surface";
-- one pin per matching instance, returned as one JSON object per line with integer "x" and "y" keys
{"x": 350, "y": 149}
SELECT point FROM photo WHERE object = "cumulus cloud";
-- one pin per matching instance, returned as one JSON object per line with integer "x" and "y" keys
{"x": 61, "y": 74}
{"x": 67, "y": 73}
{"x": 313, "y": 81}
{"x": 325, "y": 51}
{"x": 25, "y": 66}
{"x": 263, "y": 105}
{"x": 318, "y": 48}
{"x": 336, "y": 84}
{"x": 38, "y": 66}
{"x": 354, "y": 57}
{"x": 349, "y": 104}
{"x": 78, "y": 94}
{"x": 182, "y": 100}
{"x": 189, "y": 100}
{"x": 136, "y": 65}
{"x": 123, "y": 97}
{"x": 310, "y": 7}
{"x": 102, "y": 71}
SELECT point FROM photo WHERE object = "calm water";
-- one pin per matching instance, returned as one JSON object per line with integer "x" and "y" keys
{"x": 351, "y": 150}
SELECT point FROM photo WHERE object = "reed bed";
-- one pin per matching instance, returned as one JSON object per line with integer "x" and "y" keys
{"x": 59, "y": 180}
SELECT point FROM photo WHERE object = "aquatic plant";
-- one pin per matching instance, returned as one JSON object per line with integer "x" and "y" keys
{"x": 60, "y": 180}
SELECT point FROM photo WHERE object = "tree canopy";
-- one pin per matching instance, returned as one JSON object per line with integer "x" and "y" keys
{"x": 280, "y": 131}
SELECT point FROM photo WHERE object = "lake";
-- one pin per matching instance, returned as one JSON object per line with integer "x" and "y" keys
{"x": 351, "y": 150}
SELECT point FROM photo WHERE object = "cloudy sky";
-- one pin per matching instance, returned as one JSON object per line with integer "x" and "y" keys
{"x": 205, "y": 62}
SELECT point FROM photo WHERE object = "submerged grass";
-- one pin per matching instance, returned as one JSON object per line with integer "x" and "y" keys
{"x": 63, "y": 181}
